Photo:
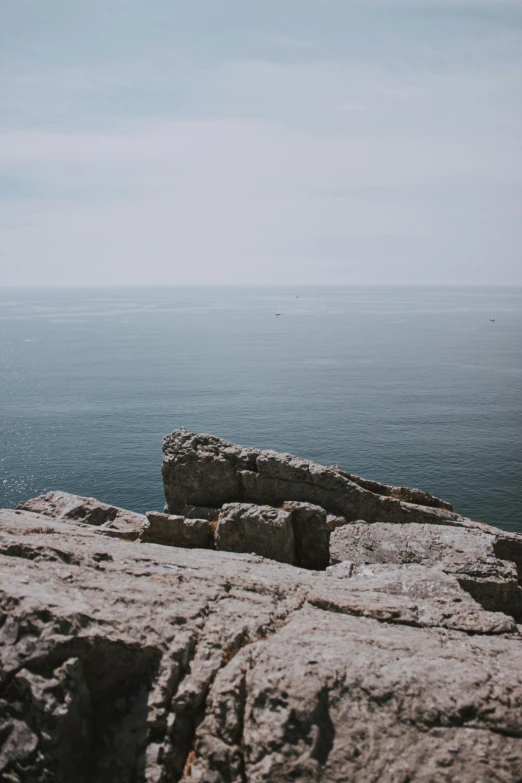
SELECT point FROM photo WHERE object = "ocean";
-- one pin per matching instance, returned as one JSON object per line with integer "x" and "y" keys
{"x": 411, "y": 386}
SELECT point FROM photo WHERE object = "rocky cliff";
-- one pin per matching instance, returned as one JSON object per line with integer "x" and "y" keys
{"x": 280, "y": 621}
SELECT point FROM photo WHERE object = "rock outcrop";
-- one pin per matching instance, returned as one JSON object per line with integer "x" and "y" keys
{"x": 204, "y": 471}
{"x": 282, "y": 622}
{"x": 203, "y": 474}
{"x": 123, "y": 661}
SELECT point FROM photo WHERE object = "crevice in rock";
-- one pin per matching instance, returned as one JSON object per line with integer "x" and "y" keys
{"x": 326, "y": 737}
{"x": 196, "y": 712}
{"x": 510, "y": 549}
{"x": 185, "y": 708}
{"x": 464, "y": 723}
{"x": 86, "y": 703}
{"x": 241, "y": 726}
{"x": 501, "y": 596}
{"x": 393, "y": 617}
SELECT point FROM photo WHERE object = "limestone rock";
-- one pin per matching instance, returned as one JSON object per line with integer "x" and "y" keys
{"x": 406, "y": 594}
{"x": 311, "y": 534}
{"x": 468, "y": 554}
{"x": 263, "y": 530}
{"x": 161, "y": 659}
{"x": 410, "y": 495}
{"x": 111, "y": 520}
{"x": 202, "y": 470}
{"x": 124, "y": 661}
{"x": 171, "y": 530}
{"x": 344, "y": 699}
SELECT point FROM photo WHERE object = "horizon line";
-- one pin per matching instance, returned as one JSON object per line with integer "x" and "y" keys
{"x": 252, "y": 285}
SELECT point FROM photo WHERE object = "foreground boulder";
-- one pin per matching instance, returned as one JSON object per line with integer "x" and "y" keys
{"x": 123, "y": 661}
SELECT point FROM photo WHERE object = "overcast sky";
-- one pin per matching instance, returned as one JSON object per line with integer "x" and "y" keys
{"x": 260, "y": 141}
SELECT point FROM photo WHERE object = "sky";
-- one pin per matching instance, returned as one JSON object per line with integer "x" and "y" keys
{"x": 179, "y": 142}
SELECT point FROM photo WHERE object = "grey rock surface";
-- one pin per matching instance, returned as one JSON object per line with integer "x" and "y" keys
{"x": 202, "y": 470}
{"x": 125, "y": 661}
{"x": 296, "y": 533}
{"x": 111, "y": 520}
{"x": 171, "y": 530}
{"x": 407, "y": 595}
{"x": 338, "y": 698}
{"x": 262, "y": 530}
{"x": 468, "y": 554}
{"x": 409, "y": 494}
{"x": 158, "y": 649}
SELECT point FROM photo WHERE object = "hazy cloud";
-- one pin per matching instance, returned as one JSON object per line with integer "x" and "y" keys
{"x": 307, "y": 146}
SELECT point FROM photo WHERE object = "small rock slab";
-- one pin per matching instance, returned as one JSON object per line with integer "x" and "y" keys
{"x": 111, "y": 520}
{"x": 267, "y": 531}
{"x": 172, "y": 530}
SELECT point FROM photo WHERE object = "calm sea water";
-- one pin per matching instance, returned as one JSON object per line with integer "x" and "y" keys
{"x": 411, "y": 386}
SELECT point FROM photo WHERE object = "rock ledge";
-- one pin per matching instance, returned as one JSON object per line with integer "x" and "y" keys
{"x": 281, "y": 621}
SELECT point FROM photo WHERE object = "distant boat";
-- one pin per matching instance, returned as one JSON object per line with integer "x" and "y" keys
{"x": 278, "y": 313}
{"x": 492, "y": 319}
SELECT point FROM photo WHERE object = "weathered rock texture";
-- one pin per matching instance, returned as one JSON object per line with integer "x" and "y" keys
{"x": 260, "y": 530}
{"x": 123, "y": 661}
{"x": 296, "y": 533}
{"x": 171, "y": 530}
{"x": 112, "y": 521}
{"x": 205, "y": 473}
{"x": 401, "y": 493}
{"x": 201, "y": 470}
{"x": 311, "y": 526}
{"x": 160, "y": 659}
{"x": 468, "y": 554}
